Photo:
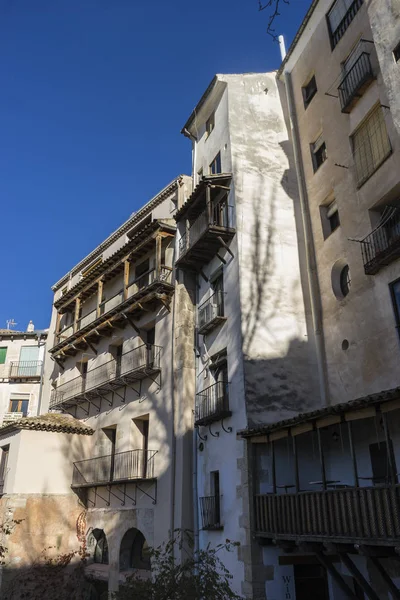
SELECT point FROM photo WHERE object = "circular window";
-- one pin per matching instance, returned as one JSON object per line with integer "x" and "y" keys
{"x": 341, "y": 280}
{"x": 345, "y": 345}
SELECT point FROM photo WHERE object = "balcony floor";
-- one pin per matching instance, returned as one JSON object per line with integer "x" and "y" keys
{"x": 210, "y": 325}
{"x": 205, "y": 247}
{"x": 218, "y": 416}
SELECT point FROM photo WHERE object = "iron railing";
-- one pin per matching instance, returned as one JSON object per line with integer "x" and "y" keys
{"x": 350, "y": 514}
{"x": 383, "y": 244}
{"x": 122, "y": 466}
{"x": 221, "y": 215}
{"x": 211, "y": 309}
{"x": 355, "y": 78}
{"x": 210, "y": 510}
{"x": 212, "y": 403}
{"x": 340, "y": 30}
{"x": 25, "y": 368}
{"x": 145, "y": 359}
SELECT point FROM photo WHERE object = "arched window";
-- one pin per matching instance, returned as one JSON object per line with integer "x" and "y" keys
{"x": 97, "y": 544}
{"x": 134, "y": 552}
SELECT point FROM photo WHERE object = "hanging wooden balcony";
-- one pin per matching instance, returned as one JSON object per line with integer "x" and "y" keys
{"x": 368, "y": 515}
{"x": 145, "y": 293}
{"x": 122, "y": 467}
{"x": 382, "y": 246}
{"x": 212, "y": 404}
{"x": 134, "y": 365}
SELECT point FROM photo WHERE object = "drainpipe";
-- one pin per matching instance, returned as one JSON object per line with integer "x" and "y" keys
{"x": 173, "y": 441}
{"x": 315, "y": 296}
{"x": 41, "y": 377}
{"x": 193, "y": 140}
{"x": 195, "y": 486}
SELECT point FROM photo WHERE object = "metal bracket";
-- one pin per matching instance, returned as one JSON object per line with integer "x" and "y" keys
{"x": 153, "y": 498}
{"x": 130, "y": 386}
{"x": 154, "y": 379}
{"x": 226, "y": 429}
{"x": 203, "y": 439}
{"x": 96, "y": 493}
{"x": 216, "y": 434}
{"x": 109, "y": 487}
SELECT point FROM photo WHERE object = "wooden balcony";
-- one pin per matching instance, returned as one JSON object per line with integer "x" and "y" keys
{"x": 26, "y": 370}
{"x": 134, "y": 365}
{"x": 151, "y": 289}
{"x": 367, "y": 515}
{"x": 121, "y": 467}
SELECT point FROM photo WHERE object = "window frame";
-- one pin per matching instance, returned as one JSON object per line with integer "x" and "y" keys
{"x": 210, "y": 125}
{"x": 313, "y": 150}
{"x": 334, "y": 40}
{"x": 396, "y": 306}
{"x": 216, "y": 160}
{"x": 308, "y": 99}
{"x": 19, "y": 406}
{"x": 3, "y": 362}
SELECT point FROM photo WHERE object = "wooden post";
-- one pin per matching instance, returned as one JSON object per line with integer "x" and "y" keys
{"x": 353, "y": 454}
{"x": 158, "y": 256}
{"x": 392, "y": 468}
{"x": 77, "y": 311}
{"x": 321, "y": 459}
{"x": 209, "y": 207}
{"x": 296, "y": 463}
{"x": 126, "y": 278}
{"x": 273, "y": 467}
{"x": 99, "y": 297}
{"x": 57, "y": 331}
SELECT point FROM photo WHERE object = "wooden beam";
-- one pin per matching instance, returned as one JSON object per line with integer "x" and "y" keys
{"x": 392, "y": 467}
{"x": 225, "y": 245}
{"x": 386, "y": 577}
{"x": 100, "y": 285}
{"x": 204, "y": 276}
{"x": 208, "y": 202}
{"x": 132, "y": 324}
{"x": 76, "y": 316}
{"x": 326, "y": 562}
{"x": 273, "y": 467}
{"x": 321, "y": 459}
{"x": 57, "y": 331}
{"x": 158, "y": 256}
{"x": 358, "y": 576}
{"x": 126, "y": 278}
{"x": 296, "y": 464}
{"x": 90, "y": 345}
{"x": 221, "y": 259}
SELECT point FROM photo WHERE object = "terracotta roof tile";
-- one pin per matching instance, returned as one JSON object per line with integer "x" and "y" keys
{"x": 49, "y": 422}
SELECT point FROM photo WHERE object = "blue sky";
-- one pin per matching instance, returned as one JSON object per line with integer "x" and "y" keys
{"x": 93, "y": 96}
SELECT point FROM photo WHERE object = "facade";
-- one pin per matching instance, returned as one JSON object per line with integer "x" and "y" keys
{"x": 325, "y": 483}
{"x": 121, "y": 364}
{"x": 21, "y": 369}
{"x": 239, "y": 237}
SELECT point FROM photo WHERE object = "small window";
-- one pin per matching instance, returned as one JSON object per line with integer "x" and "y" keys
{"x": 19, "y": 406}
{"x": 340, "y": 16}
{"x": 3, "y": 354}
{"x": 396, "y": 53}
{"x": 318, "y": 153}
{"x": 215, "y": 166}
{"x": 216, "y": 494}
{"x": 371, "y": 145}
{"x": 210, "y": 124}
{"x": 309, "y": 91}
{"x": 395, "y": 293}
{"x": 345, "y": 281}
{"x": 329, "y": 218}
{"x": 381, "y": 456}
{"x": 4, "y": 452}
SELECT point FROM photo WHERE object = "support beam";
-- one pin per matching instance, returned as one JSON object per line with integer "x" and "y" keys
{"x": 296, "y": 463}
{"x": 57, "y": 331}
{"x": 392, "y": 466}
{"x": 225, "y": 245}
{"x": 321, "y": 459}
{"x": 77, "y": 313}
{"x": 221, "y": 259}
{"x": 131, "y": 323}
{"x": 204, "y": 276}
{"x": 273, "y": 468}
{"x": 326, "y": 562}
{"x": 358, "y": 576}
{"x": 353, "y": 454}
{"x": 126, "y": 278}
{"x": 209, "y": 207}
{"x": 386, "y": 577}
{"x": 158, "y": 256}
{"x": 90, "y": 346}
{"x": 100, "y": 285}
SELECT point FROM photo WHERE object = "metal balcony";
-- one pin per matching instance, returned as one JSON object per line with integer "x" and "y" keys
{"x": 121, "y": 467}
{"x": 133, "y": 365}
{"x": 340, "y": 30}
{"x": 211, "y": 313}
{"x": 212, "y": 404}
{"x": 382, "y": 246}
{"x": 210, "y": 511}
{"x": 25, "y": 369}
{"x": 355, "y": 82}
{"x": 212, "y": 229}
{"x": 349, "y": 515}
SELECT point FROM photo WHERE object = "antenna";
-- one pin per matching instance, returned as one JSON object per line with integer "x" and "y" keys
{"x": 11, "y": 323}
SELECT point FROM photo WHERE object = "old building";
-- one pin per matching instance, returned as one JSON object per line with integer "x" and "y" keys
{"x": 238, "y": 236}
{"x": 21, "y": 370}
{"x": 325, "y": 485}
{"x": 121, "y": 370}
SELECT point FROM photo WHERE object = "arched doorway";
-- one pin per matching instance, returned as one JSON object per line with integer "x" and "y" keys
{"x": 134, "y": 551}
{"x": 98, "y": 546}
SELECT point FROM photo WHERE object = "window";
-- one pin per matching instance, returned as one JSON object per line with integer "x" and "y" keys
{"x": 210, "y": 124}
{"x": 134, "y": 551}
{"x": 218, "y": 293}
{"x": 215, "y": 166}
{"x": 29, "y": 365}
{"x": 318, "y": 153}
{"x": 381, "y": 457}
{"x": 99, "y": 541}
{"x": 329, "y": 218}
{"x": 395, "y": 293}
{"x": 309, "y": 91}
{"x": 396, "y": 53}
{"x": 3, "y": 354}
{"x": 4, "y": 450}
{"x": 19, "y": 403}
{"x": 310, "y": 577}
{"x": 371, "y": 145}
{"x": 340, "y": 16}
{"x": 345, "y": 281}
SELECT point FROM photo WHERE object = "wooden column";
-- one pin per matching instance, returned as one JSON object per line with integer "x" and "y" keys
{"x": 209, "y": 207}
{"x": 126, "y": 277}
{"x": 273, "y": 467}
{"x": 158, "y": 256}
{"x": 321, "y": 459}
{"x": 99, "y": 297}
{"x": 296, "y": 463}
{"x": 77, "y": 309}
{"x": 353, "y": 454}
{"x": 57, "y": 331}
{"x": 392, "y": 467}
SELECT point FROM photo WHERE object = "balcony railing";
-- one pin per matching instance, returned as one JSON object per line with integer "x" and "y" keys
{"x": 210, "y": 510}
{"x": 211, "y": 312}
{"x": 132, "y": 365}
{"x": 354, "y": 81}
{"x": 114, "y": 468}
{"x": 382, "y": 245}
{"x": 212, "y": 404}
{"x": 340, "y": 30}
{"x": 25, "y": 369}
{"x": 138, "y": 286}
{"x": 346, "y": 514}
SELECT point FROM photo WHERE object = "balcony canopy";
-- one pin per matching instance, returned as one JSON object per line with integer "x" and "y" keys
{"x": 196, "y": 202}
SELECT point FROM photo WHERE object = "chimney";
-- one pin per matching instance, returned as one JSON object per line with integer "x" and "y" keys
{"x": 30, "y": 327}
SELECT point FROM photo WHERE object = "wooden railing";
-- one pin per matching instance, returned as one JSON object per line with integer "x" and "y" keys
{"x": 221, "y": 215}
{"x": 345, "y": 514}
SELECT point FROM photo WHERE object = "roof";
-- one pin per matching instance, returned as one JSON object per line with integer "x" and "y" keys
{"x": 210, "y": 87}
{"x": 49, "y": 422}
{"x": 297, "y": 36}
{"x": 219, "y": 179}
{"x": 133, "y": 219}
{"x": 334, "y": 409}
{"x": 31, "y": 334}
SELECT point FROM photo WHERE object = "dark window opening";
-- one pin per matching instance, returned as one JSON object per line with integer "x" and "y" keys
{"x": 340, "y": 16}
{"x": 310, "y": 577}
{"x": 134, "y": 551}
{"x": 3, "y": 466}
{"x": 329, "y": 218}
{"x": 395, "y": 293}
{"x": 381, "y": 458}
{"x": 309, "y": 91}
{"x": 396, "y": 53}
{"x": 215, "y": 166}
{"x": 216, "y": 493}
{"x": 99, "y": 540}
{"x": 345, "y": 280}
{"x": 210, "y": 124}
{"x": 318, "y": 153}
